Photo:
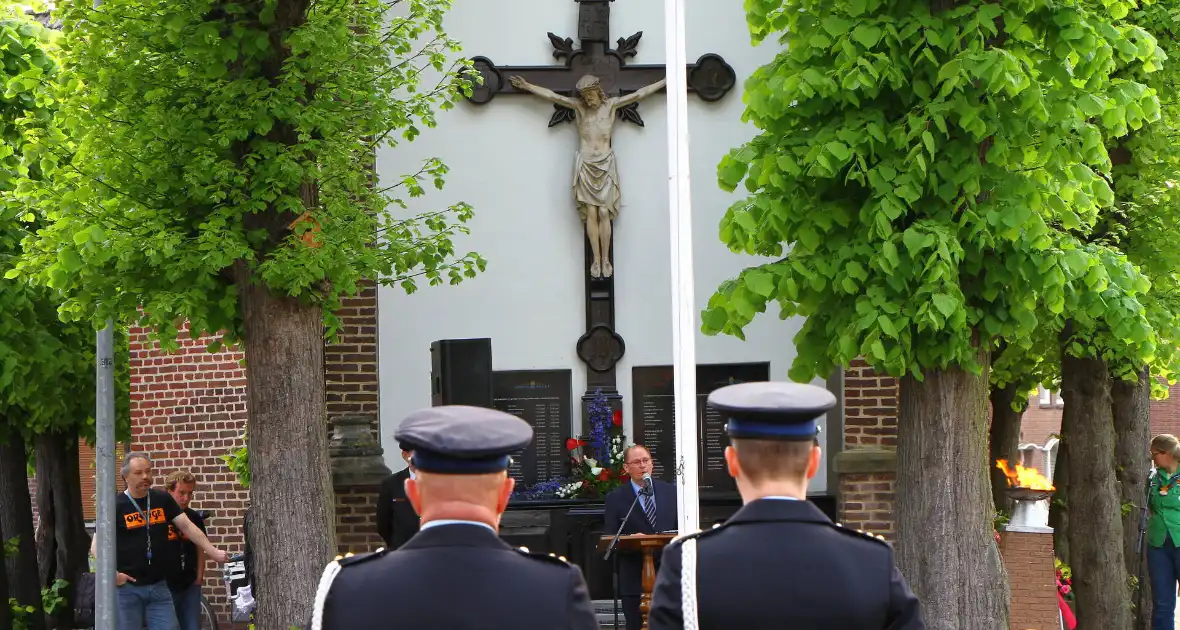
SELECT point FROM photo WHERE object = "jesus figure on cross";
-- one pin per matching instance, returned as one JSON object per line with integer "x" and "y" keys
{"x": 596, "y": 176}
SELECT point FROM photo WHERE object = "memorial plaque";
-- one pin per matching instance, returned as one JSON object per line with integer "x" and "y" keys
{"x": 543, "y": 399}
{"x": 654, "y": 419}
{"x": 712, "y": 474}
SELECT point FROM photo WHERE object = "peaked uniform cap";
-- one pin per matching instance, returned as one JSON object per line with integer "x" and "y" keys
{"x": 463, "y": 440}
{"x": 772, "y": 410}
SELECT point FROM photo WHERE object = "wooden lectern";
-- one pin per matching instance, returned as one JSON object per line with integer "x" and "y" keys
{"x": 649, "y": 544}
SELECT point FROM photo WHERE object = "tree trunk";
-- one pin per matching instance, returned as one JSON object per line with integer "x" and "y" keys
{"x": 1096, "y": 525}
{"x": 1004, "y": 440}
{"x": 16, "y": 521}
{"x": 62, "y": 541}
{"x": 1059, "y": 503}
{"x": 946, "y": 546}
{"x": 288, "y": 450}
{"x": 1131, "y": 406}
{"x": 5, "y": 611}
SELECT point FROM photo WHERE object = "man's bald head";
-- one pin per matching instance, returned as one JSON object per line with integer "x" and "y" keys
{"x": 480, "y": 498}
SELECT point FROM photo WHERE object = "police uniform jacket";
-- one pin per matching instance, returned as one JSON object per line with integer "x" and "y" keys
{"x": 458, "y": 576}
{"x": 397, "y": 521}
{"x": 783, "y": 564}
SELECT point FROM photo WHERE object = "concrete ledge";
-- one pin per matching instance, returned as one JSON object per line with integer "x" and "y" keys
{"x": 1028, "y": 529}
{"x": 866, "y": 461}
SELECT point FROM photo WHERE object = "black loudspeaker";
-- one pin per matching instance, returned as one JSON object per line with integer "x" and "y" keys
{"x": 461, "y": 372}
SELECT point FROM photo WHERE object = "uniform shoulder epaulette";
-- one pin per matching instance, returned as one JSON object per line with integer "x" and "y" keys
{"x": 547, "y": 557}
{"x": 860, "y": 533}
{"x": 698, "y": 534}
{"x": 352, "y": 559}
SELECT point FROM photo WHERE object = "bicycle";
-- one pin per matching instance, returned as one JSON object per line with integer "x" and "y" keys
{"x": 208, "y": 617}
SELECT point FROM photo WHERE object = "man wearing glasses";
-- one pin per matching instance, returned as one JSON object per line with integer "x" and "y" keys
{"x": 655, "y": 512}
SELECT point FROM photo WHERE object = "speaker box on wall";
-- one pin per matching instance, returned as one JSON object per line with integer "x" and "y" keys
{"x": 461, "y": 372}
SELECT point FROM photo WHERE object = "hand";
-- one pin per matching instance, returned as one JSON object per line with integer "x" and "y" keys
{"x": 518, "y": 82}
{"x": 219, "y": 556}
{"x": 123, "y": 578}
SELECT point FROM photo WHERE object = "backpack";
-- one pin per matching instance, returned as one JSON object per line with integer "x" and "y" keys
{"x": 84, "y": 601}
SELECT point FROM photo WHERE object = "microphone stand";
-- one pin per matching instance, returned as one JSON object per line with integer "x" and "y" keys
{"x": 615, "y": 562}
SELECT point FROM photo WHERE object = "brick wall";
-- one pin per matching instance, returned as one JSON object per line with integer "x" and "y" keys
{"x": 187, "y": 410}
{"x": 33, "y": 496}
{"x": 352, "y": 389}
{"x": 1165, "y": 414}
{"x": 870, "y": 437}
{"x": 350, "y": 364}
{"x": 1028, "y": 559}
{"x": 356, "y": 520}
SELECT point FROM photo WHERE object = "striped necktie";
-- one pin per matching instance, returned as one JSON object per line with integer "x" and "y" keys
{"x": 649, "y": 507}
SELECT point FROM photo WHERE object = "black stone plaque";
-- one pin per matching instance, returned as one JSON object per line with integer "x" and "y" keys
{"x": 712, "y": 474}
{"x": 543, "y": 399}
{"x": 654, "y": 419}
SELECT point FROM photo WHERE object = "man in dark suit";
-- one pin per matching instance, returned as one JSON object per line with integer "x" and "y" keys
{"x": 655, "y": 512}
{"x": 456, "y": 572}
{"x": 779, "y": 562}
{"x": 397, "y": 521}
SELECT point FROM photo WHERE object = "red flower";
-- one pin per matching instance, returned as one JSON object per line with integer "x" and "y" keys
{"x": 604, "y": 475}
{"x": 617, "y": 418}
{"x": 571, "y": 444}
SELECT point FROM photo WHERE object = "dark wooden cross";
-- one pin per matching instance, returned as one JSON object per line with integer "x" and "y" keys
{"x": 711, "y": 78}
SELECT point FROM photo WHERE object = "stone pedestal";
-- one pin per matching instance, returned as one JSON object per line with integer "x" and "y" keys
{"x": 358, "y": 468}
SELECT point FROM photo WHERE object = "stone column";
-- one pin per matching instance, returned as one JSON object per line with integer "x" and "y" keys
{"x": 358, "y": 469}
{"x": 1026, "y": 546}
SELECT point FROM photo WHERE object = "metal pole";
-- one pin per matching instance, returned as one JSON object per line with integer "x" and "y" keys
{"x": 104, "y": 464}
{"x": 684, "y": 327}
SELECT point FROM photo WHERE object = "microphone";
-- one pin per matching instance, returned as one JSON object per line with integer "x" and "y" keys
{"x": 647, "y": 482}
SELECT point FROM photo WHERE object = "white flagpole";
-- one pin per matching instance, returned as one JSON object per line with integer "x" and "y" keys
{"x": 680, "y": 231}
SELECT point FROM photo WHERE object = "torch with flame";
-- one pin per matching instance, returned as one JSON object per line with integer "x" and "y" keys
{"x": 1022, "y": 477}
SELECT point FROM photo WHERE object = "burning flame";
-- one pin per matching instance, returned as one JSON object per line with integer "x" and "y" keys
{"x": 1023, "y": 477}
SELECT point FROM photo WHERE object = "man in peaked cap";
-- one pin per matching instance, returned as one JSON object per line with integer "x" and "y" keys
{"x": 456, "y": 573}
{"x": 779, "y": 562}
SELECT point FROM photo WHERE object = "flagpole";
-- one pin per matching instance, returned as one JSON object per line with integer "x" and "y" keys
{"x": 683, "y": 308}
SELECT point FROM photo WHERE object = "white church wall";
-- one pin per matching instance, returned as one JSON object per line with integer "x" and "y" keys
{"x": 516, "y": 172}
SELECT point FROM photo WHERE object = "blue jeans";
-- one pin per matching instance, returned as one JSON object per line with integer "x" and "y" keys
{"x": 188, "y": 606}
{"x": 1163, "y": 563}
{"x": 147, "y": 606}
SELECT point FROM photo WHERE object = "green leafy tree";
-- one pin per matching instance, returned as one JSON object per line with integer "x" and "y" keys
{"x": 1114, "y": 366}
{"x": 212, "y": 163}
{"x": 46, "y": 365}
{"x": 914, "y": 165}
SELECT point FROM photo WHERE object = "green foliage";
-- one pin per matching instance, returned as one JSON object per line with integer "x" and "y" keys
{"x": 47, "y": 366}
{"x": 919, "y": 178}
{"x": 1147, "y": 208}
{"x": 11, "y": 548}
{"x": 200, "y": 145}
{"x": 52, "y": 598}
{"x": 238, "y": 462}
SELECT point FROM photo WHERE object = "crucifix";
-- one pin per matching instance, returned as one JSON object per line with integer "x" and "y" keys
{"x": 592, "y": 89}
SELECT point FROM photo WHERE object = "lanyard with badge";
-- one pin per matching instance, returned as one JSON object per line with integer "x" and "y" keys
{"x": 147, "y": 520}
{"x": 1167, "y": 483}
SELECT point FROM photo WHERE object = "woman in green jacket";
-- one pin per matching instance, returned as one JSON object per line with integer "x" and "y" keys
{"x": 1163, "y": 529}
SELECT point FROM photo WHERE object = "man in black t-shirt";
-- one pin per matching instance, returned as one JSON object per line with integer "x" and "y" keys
{"x": 142, "y": 551}
{"x": 187, "y": 570}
